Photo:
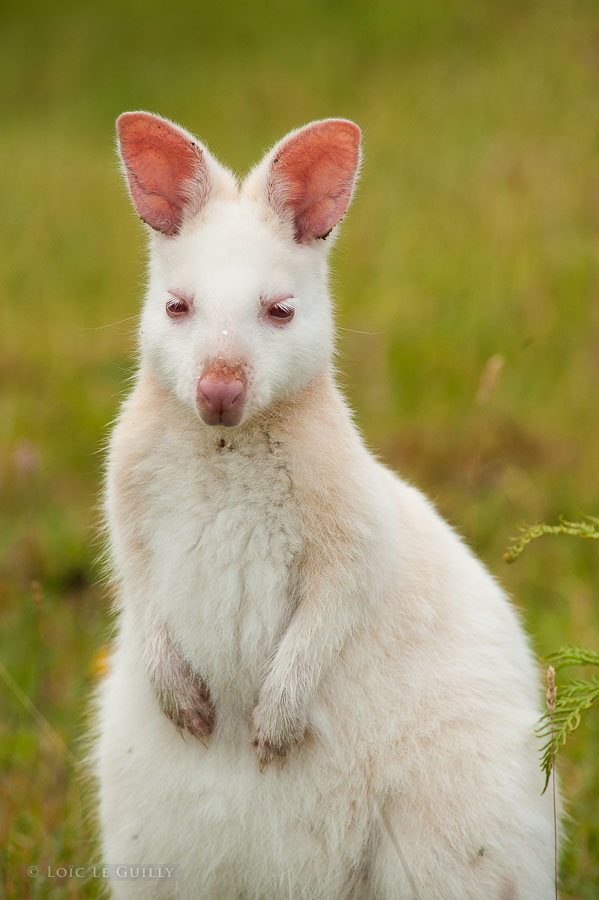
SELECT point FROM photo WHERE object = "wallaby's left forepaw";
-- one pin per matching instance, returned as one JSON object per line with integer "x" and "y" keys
{"x": 272, "y": 740}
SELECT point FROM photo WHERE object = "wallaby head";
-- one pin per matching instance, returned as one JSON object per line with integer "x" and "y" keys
{"x": 237, "y": 314}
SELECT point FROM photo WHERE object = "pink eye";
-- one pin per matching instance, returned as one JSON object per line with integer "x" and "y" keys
{"x": 282, "y": 311}
{"x": 176, "y": 307}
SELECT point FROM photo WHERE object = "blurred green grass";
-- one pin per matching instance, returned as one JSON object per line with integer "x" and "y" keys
{"x": 473, "y": 237}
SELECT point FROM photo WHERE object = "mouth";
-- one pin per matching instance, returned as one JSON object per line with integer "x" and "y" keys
{"x": 229, "y": 418}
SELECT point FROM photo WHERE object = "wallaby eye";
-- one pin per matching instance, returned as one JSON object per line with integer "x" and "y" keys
{"x": 176, "y": 307}
{"x": 282, "y": 311}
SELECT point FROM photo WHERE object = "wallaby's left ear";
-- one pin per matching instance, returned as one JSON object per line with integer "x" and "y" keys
{"x": 311, "y": 176}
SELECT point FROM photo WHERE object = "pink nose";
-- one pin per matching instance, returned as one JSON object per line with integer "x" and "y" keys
{"x": 220, "y": 402}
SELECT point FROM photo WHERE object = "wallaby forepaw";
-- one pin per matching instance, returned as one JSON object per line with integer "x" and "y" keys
{"x": 192, "y": 713}
{"x": 271, "y": 742}
{"x": 182, "y": 694}
{"x": 196, "y": 722}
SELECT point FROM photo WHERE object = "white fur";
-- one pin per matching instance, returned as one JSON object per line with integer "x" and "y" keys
{"x": 310, "y": 587}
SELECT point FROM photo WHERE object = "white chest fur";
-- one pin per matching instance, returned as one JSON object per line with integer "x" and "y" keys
{"x": 219, "y": 536}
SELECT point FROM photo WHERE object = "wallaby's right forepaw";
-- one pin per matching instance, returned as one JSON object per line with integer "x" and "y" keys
{"x": 194, "y": 713}
{"x": 182, "y": 694}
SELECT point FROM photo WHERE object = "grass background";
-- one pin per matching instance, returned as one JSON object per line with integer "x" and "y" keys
{"x": 473, "y": 238}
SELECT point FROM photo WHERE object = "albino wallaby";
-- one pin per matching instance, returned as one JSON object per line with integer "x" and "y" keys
{"x": 316, "y": 690}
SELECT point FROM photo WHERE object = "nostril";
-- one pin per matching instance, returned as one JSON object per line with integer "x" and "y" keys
{"x": 206, "y": 395}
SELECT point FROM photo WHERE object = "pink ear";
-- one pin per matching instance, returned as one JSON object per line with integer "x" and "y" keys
{"x": 165, "y": 168}
{"x": 312, "y": 176}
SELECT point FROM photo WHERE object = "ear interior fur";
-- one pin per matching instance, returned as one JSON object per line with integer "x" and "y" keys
{"x": 166, "y": 170}
{"x": 311, "y": 176}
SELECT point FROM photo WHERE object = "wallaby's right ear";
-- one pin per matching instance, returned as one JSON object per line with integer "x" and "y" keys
{"x": 166, "y": 169}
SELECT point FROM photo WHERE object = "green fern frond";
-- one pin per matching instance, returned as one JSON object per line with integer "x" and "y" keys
{"x": 574, "y": 697}
{"x": 571, "y": 655}
{"x": 589, "y": 528}
{"x": 565, "y": 706}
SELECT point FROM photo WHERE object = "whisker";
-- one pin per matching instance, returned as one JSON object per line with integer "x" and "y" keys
{"x": 354, "y": 331}
{"x": 110, "y": 324}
